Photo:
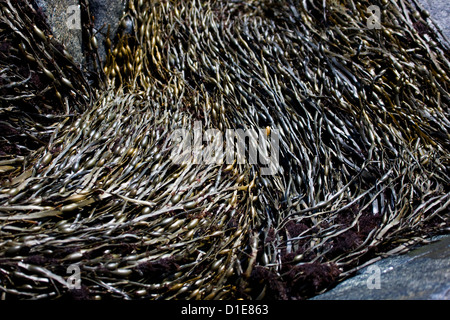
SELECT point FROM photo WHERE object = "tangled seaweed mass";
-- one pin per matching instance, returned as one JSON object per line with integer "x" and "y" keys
{"x": 87, "y": 176}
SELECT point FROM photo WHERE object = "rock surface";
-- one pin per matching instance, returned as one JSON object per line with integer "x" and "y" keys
{"x": 421, "y": 274}
{"x": 106, "y": 13}
{"x": 64, "y": 19}
{"x": 440, "y": 13}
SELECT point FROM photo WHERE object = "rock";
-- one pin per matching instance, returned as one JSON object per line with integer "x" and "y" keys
{"x": 440, "y": 13}
{"x": 106, "y": 13}
{"x": 421, "y": 274}
{"x": 64, "y": 18}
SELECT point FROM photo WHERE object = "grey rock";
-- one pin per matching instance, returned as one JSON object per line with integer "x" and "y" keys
{"x": 106, "y": 13}
{"x": 64, "y": 19}
{"x": 440, "y": 13}
{"x": 421, "y": 274}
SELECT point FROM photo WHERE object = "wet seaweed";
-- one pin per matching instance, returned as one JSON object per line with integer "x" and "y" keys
{"x": 363, "y": 172}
